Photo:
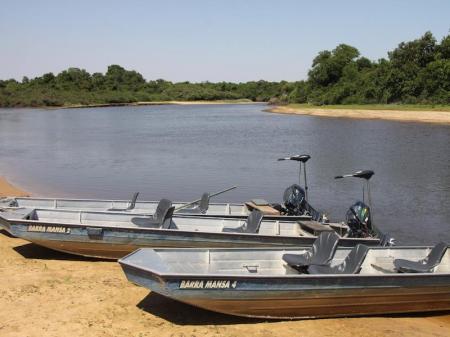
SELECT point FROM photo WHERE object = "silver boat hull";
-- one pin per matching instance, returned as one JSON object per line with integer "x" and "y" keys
{"x": 272, "y": 295}
{"x": 112, "y": 235}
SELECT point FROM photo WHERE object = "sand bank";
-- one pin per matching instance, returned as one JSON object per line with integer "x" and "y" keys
{"x": 441, "y": 117}
{"x": 238, "y": 101}
{"x": 51, "y": 294}
{"x": 6, "y": 189}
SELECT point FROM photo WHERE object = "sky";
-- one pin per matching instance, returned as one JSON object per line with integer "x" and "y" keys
{"x": 201, "y": 40}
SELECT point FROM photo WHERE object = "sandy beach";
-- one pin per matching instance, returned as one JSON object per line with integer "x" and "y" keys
{"x": 440, "y": 117}
{"x": 6, "y": 189}
{"x": 46, "y": 293}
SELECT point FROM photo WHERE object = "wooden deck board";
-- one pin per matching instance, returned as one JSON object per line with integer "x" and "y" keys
{"x": 266, "y": 209}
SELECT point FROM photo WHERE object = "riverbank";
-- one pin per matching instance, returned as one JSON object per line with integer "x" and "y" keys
{"x": 140, "y": 103}
{"x": 6, "y": 189}
{"x": 409, "y": 113}
{"x": 236, "y": 101}
{"x": 46, "y": 293}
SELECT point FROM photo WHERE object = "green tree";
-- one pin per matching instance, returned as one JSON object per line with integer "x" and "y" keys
{"x": 328, "y": 66}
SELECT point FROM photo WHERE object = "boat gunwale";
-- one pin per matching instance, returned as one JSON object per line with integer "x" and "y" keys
{"x": 118, "y": 201}
{"x": 170, "y": 276}
{"x": 16, "y": 222}
{"x": 281, "y": 218}
{"x": 174, "y": 276}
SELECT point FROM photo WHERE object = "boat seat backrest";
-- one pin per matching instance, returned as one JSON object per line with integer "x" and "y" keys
{"x": 351, "y": 264}
{"x": 132, "y": 204}
{"x": 253, "y": 222}
{"x": 251, "y": 225}
{"x": 435, "y": 255}
{"x": 321, "y": 252}
{"x": 161, "y": 210}
{"x": 324, "y": 247}
{"x": 425, "y": 265}
{"x": 204, "y": 203}
{"x": 353, "y": 261}
{"x": 167, "y": 220}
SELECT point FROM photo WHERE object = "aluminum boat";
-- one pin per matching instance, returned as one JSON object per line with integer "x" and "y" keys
{"x": 267, "y": 283}
{"x": 114, "y": 235}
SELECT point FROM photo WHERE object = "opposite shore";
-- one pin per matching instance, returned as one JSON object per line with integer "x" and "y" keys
{"x": 205, "y": 102}
{"x": 426, "y": 114}
{"x": 404, "y": 113}
{"x": 135, "y": 103}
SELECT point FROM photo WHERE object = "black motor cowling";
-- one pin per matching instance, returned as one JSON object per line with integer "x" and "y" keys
{"x": 294, "y": 200}
{"x": 359, "y": 220}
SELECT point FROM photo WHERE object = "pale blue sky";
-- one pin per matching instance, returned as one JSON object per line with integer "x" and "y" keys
{"x": 204, "y": 40}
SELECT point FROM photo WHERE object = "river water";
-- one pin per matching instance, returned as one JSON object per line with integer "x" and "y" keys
{"x": 178, "y": 152}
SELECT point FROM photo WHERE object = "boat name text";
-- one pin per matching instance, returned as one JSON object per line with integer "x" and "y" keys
{"x": 48, "y": 229}
{"x": 210, "y": 284}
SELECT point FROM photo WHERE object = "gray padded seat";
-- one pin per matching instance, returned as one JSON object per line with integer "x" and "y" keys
{"x": 160, "y": 218}
{"x": 425, "y": 265}
{"x": 250, "y": 226}
{"x": 351, "y": 265}
{"x": 322, "y": 252}
{"x": 131, "y": 205}
{"x": 201, "y": 208}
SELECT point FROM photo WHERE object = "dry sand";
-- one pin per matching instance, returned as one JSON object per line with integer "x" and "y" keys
{"x": 6, "y": 189}
{"x": 46, "y": 293}
{"x": 441, "y": 117}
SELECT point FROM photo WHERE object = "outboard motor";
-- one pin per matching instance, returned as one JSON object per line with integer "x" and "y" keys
{"x": 302, "y": 159}
{"x": 294, "y": 200}
{"x": 359, "y": 220}
{"x": 358, "y": 216}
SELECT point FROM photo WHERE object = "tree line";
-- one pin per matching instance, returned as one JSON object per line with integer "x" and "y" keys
{"x": 416, "y": 72}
